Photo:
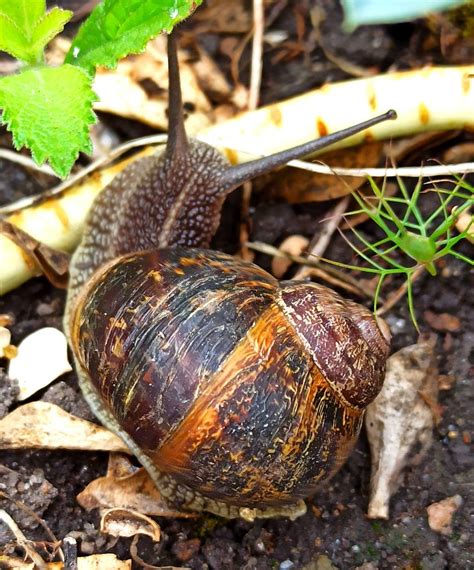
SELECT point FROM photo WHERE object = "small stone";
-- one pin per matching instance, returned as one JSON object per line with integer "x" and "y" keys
{"x": 440, "y": 514}
{"x": 286, "y": 565}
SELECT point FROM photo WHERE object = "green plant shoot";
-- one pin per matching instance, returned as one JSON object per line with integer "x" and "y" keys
{"x": 49, "y": 109}
{"x": 411, "y": 242}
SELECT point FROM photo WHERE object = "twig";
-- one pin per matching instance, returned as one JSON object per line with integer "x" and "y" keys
{"x": 22, "y": 540}
{"x": 254, "y": 94}
{"x": 26, "y": 162}
{"x": 257, "y": 54}
{"x": 332, "y": 222}
{"x": 408, "y": 171}
{"x": 330, "y": 274}
{"x": 70, "y": 553}
{"x": 30, "y": 512}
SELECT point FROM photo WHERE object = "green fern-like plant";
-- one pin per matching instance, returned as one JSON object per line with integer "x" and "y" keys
{"x": 411, "y": 242}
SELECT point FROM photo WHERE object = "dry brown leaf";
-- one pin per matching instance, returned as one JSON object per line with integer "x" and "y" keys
{"x": 125, "y": 522}
{"x": 466, "y": 222}
{"x": 40, "y": 425}
{"x": 138, "y": 89}
{"x": 440, "y": 514}
{"x": 296, "y": 186}
{"x": 5, "y": 338}
{"x": 224, "y": 17}
{"x": 94, "y": 562}
{"x": 127, "y": 487}
{"x": 442, "y": 321}
{"x": 400, "y": 419}
{"x": 294, "y": 245}
{"x": 40, "y": 359}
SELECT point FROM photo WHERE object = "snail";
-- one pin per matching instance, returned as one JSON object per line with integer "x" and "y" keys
{"x": 240, "y": 395}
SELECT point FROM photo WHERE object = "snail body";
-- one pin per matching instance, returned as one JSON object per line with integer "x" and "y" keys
{"x": 237, "y": 392}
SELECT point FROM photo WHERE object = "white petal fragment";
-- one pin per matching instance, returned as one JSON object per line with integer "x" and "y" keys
{"x": 401, "y": 417}
{"x": 41, "y": 358}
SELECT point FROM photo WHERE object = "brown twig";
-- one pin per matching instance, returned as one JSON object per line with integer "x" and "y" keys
{"x": 254, "y": 94}
{"x": 26, "y": 162}
{"x": 329, "y": 274}
{"x": 22, "y": 540}
{"x": 318, "y": 248}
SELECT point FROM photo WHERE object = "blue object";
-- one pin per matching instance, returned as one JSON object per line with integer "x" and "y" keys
{"x": 358, "y": 12}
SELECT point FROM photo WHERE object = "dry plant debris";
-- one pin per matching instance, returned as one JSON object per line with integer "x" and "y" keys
{"x": 40, "y": 359}
{"x": 94, "y": 562}
{"x": 442, "y": 321}
{"x": 294, "y": 245}
{"x": 126, "y": 487}
{"x": 125, "y": 522}
{"x": 440, "y": 514}
{"x": 40, "y": 425}
{"x": 400, "y": 418}
{"x": 5, "y": 339}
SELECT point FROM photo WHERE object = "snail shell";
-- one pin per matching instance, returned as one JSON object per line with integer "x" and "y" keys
{"x": 248, "y": 390}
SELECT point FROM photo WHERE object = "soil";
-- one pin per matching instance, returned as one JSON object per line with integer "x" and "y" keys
{"x": 335, "y": 532}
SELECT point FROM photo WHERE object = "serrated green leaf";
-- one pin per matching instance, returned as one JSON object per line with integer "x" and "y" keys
{"x": 11, "y": 38}
{"x": 49, "y": 110}
{"x": 49, "y": 26}
{"x": 25, "y": 27}
{"x": 117, "y": 28}
{"x": 24, "y": 13}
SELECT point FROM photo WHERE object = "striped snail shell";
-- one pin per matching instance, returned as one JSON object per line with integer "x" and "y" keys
{"x": 242, "y": 388}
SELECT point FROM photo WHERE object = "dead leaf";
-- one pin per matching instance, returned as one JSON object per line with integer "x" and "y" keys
{"x": 5, "y": 338}
{"x": 40, "y": 425}
{"x": 127, "y": 487}
{"x": 94, "y": 562}
{"x": 41, "y": 358}
{"x": 138, "y": 89}
{"x": 442, "y": 321}
{"x": 125, "y": 522}
{"x": 466, "y": 222}
{"x": 6, "y": 320}
{"x": 400, "y": 419}
{"x": 294, "y": 245}
{"x": 440, "y": 514}
{"x": 296, "y": 186}
{"x": 224, "y": 17}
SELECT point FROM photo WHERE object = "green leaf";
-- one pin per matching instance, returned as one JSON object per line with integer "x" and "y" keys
{"x": 49, "y": 110}
{"x": 117, "y": 28}
{"x": 26, "y": 28}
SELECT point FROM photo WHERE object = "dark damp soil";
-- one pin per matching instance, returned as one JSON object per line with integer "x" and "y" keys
{"x": 335, "y": 531}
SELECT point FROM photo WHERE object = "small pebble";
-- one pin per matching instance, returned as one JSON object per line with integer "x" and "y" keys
{"x": 286, "y": 565}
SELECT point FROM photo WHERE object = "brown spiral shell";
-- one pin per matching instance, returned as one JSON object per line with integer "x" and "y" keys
{"x": 247, "y": 390}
